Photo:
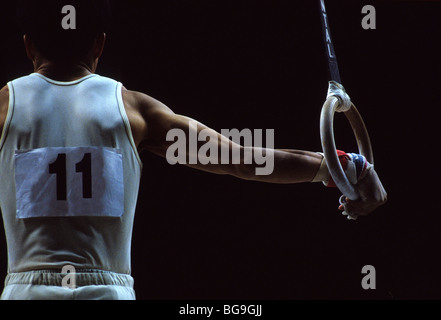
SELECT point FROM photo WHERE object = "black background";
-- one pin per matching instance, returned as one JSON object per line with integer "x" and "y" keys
{"x": 261, "y": 65}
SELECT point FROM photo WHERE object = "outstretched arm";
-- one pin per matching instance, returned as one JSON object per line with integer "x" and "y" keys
{"x": 152, "y": 122}
{"x": 159, "y": 133}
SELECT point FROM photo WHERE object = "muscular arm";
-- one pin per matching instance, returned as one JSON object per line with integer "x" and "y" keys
{"x": 151, "y": 121}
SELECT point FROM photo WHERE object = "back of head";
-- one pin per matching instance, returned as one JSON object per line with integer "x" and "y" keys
{"x": 42, "y": 21}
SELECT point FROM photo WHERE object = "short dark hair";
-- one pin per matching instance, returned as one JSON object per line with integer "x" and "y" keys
{"x": 41, "y": 20}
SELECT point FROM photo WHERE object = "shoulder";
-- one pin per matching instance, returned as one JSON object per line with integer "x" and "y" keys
{"x": 4, "y": 98}
{"x": 4, "y": 92}
{"x": 4, "y": 104}
{"x": 145, "y": 114}
{"x": 152, "y": 111}
{"x": 143, "y": 103}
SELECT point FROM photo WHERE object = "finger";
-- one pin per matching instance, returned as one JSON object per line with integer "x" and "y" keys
{"x": 345, "y": 207}
{"x": 357, "y": 207}
{"x": 342, "y": 200}
{"x": 349, "y": 215}
{"x": 352, "y": 217}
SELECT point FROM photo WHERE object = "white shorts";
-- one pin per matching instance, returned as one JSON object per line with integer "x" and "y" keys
{"x": 89, "y": 285}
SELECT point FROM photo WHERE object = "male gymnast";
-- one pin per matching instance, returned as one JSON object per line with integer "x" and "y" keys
{"x": 70, "y": 166}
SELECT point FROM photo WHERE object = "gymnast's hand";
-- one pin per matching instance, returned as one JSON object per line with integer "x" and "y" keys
{"x": 362, "y": 175}
{"x": 372, "y": 195}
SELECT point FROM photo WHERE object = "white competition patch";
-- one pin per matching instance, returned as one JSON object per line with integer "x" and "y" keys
{"x": 69, "y": 182}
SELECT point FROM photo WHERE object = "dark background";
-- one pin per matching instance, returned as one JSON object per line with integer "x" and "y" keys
{"x": 261, "y": 65}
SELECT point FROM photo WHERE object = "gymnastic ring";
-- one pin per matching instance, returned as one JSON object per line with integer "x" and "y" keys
{"x": 328, "y": 143}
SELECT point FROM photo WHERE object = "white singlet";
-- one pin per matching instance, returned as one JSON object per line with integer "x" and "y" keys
{"x": 70, "y": 174}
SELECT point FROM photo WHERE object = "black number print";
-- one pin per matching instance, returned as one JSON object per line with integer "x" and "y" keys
{"x": 85, "y": 166}
{"x": 58, "y": 167}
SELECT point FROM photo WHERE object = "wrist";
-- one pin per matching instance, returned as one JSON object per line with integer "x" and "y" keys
{"x": 322, "y": 174}
{"x": 355, "y": 167}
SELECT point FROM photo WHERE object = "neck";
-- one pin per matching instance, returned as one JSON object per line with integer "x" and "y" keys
{"x": 63, "y": 72}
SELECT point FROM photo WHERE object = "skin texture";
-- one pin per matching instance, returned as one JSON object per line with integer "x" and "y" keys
{"x": 150, "y": 120}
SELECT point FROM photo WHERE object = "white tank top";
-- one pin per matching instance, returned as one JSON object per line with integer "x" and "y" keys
{"x": 69, "y": 173}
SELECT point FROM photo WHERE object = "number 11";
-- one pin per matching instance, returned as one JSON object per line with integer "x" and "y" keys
{"x": 58, "y": 167}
